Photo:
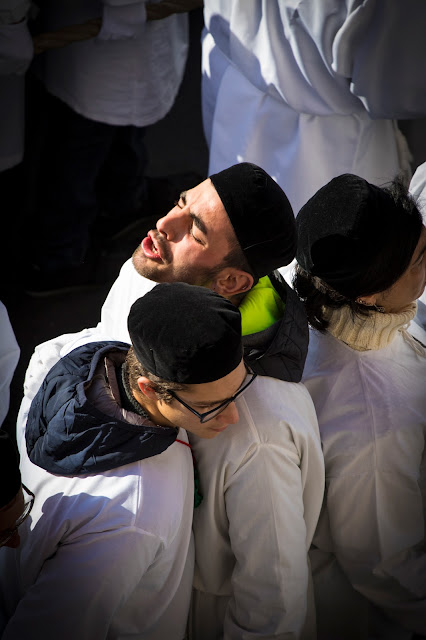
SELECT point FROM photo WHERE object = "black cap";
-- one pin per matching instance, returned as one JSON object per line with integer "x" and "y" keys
{"x": 10, "y": 476}
{"x": 347, "y": 226}
{"x": 184, "y": 333}
{"x": 261, "y": 215}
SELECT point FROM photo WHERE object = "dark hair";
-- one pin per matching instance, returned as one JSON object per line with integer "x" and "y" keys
{"x": 317, "y": 295}
{"x": 234, "y": 259}
{"x": 161, "y": 387}
{"x": 389, "y": 264}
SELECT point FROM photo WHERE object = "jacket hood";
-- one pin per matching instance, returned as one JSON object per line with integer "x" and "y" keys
{"x": 67, "y": 435}
{"x": 280, "y": 351}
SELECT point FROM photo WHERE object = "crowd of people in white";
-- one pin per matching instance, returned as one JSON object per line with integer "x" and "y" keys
{"x": 301, "y": 512}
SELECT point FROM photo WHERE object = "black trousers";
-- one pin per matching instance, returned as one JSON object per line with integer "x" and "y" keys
{"x": 85, "y": 167}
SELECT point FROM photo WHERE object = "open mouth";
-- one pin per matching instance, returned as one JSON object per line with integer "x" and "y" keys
{"x": 150, "y": 248}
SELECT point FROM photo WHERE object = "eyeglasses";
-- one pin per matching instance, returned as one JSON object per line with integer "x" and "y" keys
{"x": 209, "y": 415}
{"x": 5, "y": 536}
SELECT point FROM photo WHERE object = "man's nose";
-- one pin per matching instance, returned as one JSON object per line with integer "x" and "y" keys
{"x": 229, "y": 415}
{"x": 173, "y": 225}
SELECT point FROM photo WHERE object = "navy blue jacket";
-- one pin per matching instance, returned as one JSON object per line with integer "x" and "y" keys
{"x": 67, "y": 435}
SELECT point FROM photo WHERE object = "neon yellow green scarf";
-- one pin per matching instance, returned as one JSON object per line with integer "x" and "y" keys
{"x": 261, "y": 307}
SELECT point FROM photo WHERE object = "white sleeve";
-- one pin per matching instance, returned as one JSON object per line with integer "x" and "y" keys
{"x": 83, "y": 584}
{"x": 9, "y": 356}
{"x": 16, "y": 48}
{"x": 47, "y": 354}
{"x": 418, "y": 188}
{"x": 377, "y": 526}
{"x": 128, "y": 287}
{"x": 418, "y": 191}
{"x": 267, "y": 530}
{"x": 13, "y": 11}
{"x": 378, "y": 49}
{"x": 122, "y": 20}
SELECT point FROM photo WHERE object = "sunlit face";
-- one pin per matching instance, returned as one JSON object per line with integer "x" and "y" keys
{"x": 202, "y": 398}
{"x": 9, "y": 514}
{"x": 189, "y": 242}
{"x": 410, "y": 285}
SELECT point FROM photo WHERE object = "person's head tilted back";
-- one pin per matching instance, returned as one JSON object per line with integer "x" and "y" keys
{"x": 225, "y": 233}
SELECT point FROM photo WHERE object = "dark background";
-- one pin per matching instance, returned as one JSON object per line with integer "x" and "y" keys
{"x": 178, "y": 154}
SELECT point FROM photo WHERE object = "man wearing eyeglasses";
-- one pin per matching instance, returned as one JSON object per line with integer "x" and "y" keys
{"x": 110, "y": 551}
{"x": 16, "y": 501}
{"x": 262, "y": 481}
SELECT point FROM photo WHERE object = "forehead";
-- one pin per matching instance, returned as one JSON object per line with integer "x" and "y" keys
{"x": 218, "y": 389}
{"x": 204, "y": 201}
{"x": 421, "y": 245}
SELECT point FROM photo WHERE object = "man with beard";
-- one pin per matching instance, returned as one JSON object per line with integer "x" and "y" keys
{"x": 263, "y": 484}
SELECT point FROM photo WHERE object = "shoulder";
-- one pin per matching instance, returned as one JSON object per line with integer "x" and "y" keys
{"x": 272, "y": 413}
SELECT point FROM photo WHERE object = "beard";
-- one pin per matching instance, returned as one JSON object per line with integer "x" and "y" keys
{"x": 152, "y": 270}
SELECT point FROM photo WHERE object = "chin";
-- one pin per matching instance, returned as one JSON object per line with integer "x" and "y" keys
{"x": 143, "y": 266}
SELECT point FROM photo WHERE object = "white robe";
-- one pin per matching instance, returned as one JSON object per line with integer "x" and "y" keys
{"x": 9, "y": 356}
{"x": 102, "y": 556}
{"x": 262, "y": 481}
{"x": 369, "y": 547}
{"x": 310, "y": 90}
{"x": 16, "y": 52}
{"x": 129, "y": 74}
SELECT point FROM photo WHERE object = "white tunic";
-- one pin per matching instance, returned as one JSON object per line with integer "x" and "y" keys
{"x": 102, "y": 556}
{"x": 16, "y": 52}
{"x": 308, "y": 90}
{"x": 129, "y": 74}
{"x": 371, "y": 409}
{"x": 9, "y": 356}
{"x": 262, "y": 481}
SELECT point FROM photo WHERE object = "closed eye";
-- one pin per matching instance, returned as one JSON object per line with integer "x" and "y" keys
{"x": 196, "y": 238}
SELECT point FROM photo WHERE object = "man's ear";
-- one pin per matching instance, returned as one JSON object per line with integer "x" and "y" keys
{"x": 229, "y": 282}
{"x": 369, "y": 301}
{"x": 146, "y": 388}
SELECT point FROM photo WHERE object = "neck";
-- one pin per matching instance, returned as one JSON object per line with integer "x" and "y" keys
{"x": 136, "y": 401}
{"x": 365, "y": 333}
{"x": 151, "y": 410}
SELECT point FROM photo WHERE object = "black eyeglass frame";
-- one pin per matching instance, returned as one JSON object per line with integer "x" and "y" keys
{"x": 203, "y": 417}
{"x": 6, "y": 535}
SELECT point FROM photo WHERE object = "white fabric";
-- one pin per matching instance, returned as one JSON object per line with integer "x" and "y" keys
{"x": 9, "y": 356}
{"x": 308, "y": 89}
{"x": 418, "y": 191}
{"x": 16, "y": 52}
{"x": 16, "y": 48}
{"x": 262, "y": 481}
{"x": 128, "y": 287}
{"x": 107, "y": 555}
{"x": 12, "y": 11}
{"x": 418, "y": 188}
{"x": 121, "y": 22}
{"x": 371, "y": 409}
{"x": 129, "y": 74}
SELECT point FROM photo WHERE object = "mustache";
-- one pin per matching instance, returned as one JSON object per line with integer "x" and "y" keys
{"x": 163, "y": 246}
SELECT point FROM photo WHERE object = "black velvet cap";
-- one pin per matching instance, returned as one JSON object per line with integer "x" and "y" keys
{"x": 261, "y": 215}
{"x": 10, "y": 476}
{"x": 346, "y": 226}
{"x": 184, "y": 333}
